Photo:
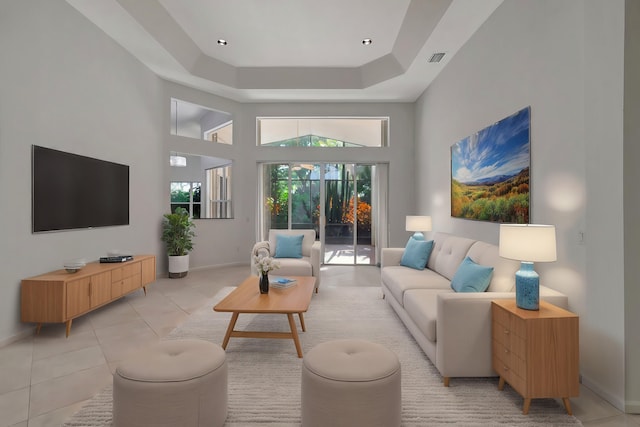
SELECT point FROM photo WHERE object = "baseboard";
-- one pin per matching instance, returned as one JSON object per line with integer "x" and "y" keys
{"x": 165, "y": 274}
{"x": 206, "y": 267}
{"x": 614, "y": 400}
{"x": 17, "y": 337}
{"x": 632, "y": 407}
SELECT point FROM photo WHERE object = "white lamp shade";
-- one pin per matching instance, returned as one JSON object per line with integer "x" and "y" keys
{"x": 418, "y": 223}
{"x": 528, "y": 242}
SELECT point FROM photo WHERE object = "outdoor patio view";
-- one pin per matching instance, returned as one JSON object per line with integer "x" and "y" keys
{"x": 296, "y": 194}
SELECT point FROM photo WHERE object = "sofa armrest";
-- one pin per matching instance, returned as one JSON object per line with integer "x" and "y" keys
{"x": 463, "y": 330}
{"x": 390, "y": 256}
{"x": 463, "y": 333}
{"x": 315, "y": 262}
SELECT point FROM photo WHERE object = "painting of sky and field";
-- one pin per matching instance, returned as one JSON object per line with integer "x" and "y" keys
{"x": 490, "y": 172}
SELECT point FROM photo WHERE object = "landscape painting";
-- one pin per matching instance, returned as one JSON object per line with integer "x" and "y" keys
{"x": 490, "y": 172}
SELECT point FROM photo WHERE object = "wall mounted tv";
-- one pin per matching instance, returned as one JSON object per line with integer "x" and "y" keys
{"x": 70, "y": 191}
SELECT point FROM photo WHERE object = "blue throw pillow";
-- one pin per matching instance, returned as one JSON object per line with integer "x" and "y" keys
{"x": 471, "y": 277}
{"x": 289, "y": 246}
{"x": 416, "y": 253}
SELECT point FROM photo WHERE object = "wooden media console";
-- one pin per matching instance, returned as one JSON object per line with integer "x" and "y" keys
{"x": 60, "y": 297}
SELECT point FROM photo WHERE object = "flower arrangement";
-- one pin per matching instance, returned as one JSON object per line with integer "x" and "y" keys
{"x": 265, "y": 264}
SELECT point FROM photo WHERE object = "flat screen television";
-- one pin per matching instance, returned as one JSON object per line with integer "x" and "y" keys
{"x": 70, "y": 191}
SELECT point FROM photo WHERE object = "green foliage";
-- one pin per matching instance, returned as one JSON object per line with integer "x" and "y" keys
{"x": 177, "y": 232}
{"x": 179, "y": 196}
{"x": 305, "y": 199}
{"x": 337, "y": 195}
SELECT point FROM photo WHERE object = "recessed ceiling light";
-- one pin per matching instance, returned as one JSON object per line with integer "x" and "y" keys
{"x": 367, "y": 42}
{"x": 222, "y": 42}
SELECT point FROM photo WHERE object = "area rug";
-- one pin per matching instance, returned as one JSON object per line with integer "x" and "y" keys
{"x": 264, "y": 374}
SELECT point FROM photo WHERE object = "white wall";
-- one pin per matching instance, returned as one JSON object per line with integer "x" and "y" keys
{"x": 228, "y": 241}
{"x": 564, "y": 59}
{"x": 603, "y": 330}
{"x": 632, "y": 203}
{"x": 64, "y": 84}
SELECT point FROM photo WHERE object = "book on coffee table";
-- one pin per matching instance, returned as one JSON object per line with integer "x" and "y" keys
{"x": 281, "y": 282}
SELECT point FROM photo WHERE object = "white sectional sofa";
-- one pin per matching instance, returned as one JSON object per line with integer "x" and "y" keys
{"x": 453, "y": 328}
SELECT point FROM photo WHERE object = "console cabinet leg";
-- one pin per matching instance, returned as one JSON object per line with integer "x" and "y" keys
{"x": 69, "y": 327}
{"x": 567, "y": 405}
{"x": 501, "y": 384}
{"x": 525, "y": 407}
{"x": 38, "y": 327}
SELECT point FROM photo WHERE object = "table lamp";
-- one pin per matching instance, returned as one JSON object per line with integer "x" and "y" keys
{"x": 528, "y": 243}
{"x": 418, "y": 224}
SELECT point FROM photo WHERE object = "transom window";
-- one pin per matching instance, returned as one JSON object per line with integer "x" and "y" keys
{"x": 195, "y": 121}
{"x": 332, "y": 132}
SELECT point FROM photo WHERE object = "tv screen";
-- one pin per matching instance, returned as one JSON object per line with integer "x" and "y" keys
{"x": 72, "y": 191}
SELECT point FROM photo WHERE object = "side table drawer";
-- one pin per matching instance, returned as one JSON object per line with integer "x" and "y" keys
{"x": 509, "y": 360}
{"x": 508, "y": 336}
{"x": 512, "y": 323}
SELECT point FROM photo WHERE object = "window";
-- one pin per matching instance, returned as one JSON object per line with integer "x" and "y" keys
{"x": 195, "y": 121}
{"x": 328, "y": 132}
{"x": 186, "y": 195}
{"x": 221, "y": 134}
{"x": 219, "y": 197}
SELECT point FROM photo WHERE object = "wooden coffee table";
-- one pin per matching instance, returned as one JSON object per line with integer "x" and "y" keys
{"x": 247, "y": 298}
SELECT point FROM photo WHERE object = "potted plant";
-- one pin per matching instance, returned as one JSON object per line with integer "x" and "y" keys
{"x": 177, "y": 233}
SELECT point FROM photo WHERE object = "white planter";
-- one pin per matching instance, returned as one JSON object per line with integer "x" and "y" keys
{"x": 178, "y": 266}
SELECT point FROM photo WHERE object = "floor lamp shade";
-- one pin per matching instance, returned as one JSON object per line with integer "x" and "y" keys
{"x": 418, "y": 224}
{"x": 528, "y": 244}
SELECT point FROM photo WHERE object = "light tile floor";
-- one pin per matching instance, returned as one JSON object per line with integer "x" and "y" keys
{"x": 44, "y": 379}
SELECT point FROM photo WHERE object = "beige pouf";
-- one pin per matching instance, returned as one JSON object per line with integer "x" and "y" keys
{"x": 172, "y": 383}
{"x": 351, "y": 383}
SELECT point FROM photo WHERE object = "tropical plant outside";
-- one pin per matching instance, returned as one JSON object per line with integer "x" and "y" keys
{"x": 181, "y": 193}
{"x": 305, "y": 199}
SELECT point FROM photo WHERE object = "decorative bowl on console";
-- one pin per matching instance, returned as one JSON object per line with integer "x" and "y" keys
{"x": 74, "y": 266}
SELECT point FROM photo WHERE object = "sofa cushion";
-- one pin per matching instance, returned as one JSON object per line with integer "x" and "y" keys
{"x": 307, "y": 241}
{"x": 504, "y": 270}
{"x": 294, "y": 267}
{"x": 471, "y": 277}
{"x": 398, "y": 279}
{"x": 416, "y": 253}
{"x": 289, "y": 246}
{"x": 422, "y": 307}
{"x": 447, "y": 254}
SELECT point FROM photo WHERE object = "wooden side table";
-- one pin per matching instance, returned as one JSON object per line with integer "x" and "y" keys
{"x": 536, "y": 352}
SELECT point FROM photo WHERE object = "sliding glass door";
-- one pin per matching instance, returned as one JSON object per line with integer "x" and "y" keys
{"x": 341, "y": 201}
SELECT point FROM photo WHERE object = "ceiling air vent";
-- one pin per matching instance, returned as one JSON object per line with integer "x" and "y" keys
{"x": 436, "y": 57}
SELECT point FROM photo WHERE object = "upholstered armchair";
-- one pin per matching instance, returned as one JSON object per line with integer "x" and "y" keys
{"x": 294, "y": 260}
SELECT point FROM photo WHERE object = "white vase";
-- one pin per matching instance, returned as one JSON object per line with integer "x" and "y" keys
{"x": 178, "y": 266}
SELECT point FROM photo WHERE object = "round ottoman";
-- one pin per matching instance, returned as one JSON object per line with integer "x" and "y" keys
{"x": 172, "y": 383}
{"x": 351, "y": 383}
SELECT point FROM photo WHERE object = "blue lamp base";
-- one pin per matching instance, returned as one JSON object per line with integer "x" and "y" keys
{"x": 527, "y": 287}
{"x": 418, "y": 235}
